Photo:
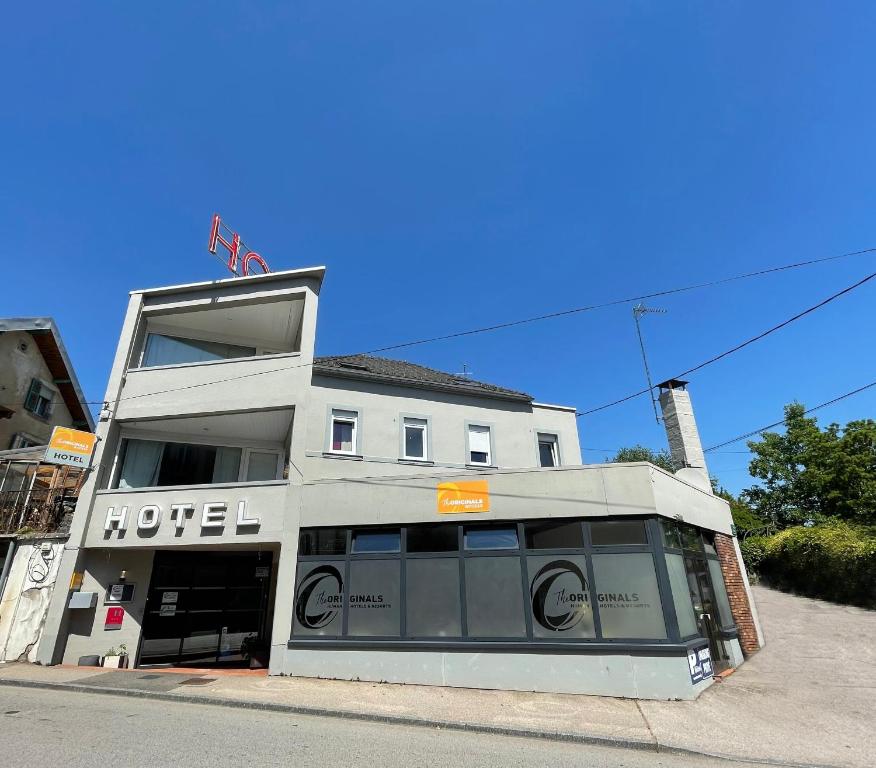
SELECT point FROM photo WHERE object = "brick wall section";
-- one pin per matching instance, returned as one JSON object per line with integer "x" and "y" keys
{"x": 736, "y": 593}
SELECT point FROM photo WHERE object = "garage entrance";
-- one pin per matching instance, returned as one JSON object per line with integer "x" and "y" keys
{"x": 207, "y": 609}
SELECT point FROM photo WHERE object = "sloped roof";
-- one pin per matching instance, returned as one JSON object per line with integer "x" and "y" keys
{"x": 371, "y": 368}
{"x": 48, "y": 340}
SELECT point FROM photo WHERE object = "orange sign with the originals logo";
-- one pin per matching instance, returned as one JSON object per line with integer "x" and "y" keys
{"x": 463, "y": 496}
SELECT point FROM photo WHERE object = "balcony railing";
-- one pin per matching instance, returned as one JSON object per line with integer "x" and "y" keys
{"x": 37, "y": 497}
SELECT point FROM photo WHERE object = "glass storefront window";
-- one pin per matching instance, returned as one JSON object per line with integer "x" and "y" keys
{"x": 720, "y": 591}
{"x": 493, "y": 537}
{"x": 319, "y": 599}
{"x": 614, "y": 532}
{"x": 433, "y": 538}
{"x": 376, "y": 542}
{"x": 559, "y": 596}
{"x": 323, "y": 541}
{"x": 629, "y": 600}
{"x": 554, "y": 535}
{"x": 687, "y": 624}
{"x": 493, "y": 607}
{"x": 373, "y": 599}
{"x": 433, "y": 605}
{"x": 690, "y": 537}
{"x": 670, "y": 533}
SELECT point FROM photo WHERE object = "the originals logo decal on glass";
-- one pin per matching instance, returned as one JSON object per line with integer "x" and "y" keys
{"x": 319, "y": 598}
{"x": 560, "y": 596}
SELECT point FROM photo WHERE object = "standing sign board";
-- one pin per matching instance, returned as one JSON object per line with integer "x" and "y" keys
{"x": 700, "y": 662}
{"x": 71, "y": 447}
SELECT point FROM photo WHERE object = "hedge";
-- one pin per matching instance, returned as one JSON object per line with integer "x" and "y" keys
{"x": 835, "y": 561}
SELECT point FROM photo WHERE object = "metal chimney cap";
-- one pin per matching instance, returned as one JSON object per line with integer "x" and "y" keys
{"x": 673, "y": 384}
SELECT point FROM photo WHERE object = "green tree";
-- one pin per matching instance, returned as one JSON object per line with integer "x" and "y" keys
{"x": 641, "y": 453}
{"x": 809, "y": 474}
{"x": 744, "y": 517}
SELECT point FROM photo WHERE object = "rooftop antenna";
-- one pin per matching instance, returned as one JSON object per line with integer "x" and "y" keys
{"x": 465, "y": 371}
{"x": 638, "y": 311}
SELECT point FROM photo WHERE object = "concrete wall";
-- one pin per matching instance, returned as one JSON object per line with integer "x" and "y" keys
{"x": 641, "y": 677}
{"x": 86, "y": 628}
{"x": 17, "y": 368}
{"x": 588, "y": 491}
{"x": 26, "y": 597}
{"x": 514, "y": 427}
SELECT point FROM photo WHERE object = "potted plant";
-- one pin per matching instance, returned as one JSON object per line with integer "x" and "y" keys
{"x": 116, "y": 659}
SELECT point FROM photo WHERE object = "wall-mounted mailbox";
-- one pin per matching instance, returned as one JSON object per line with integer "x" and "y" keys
{"x": 83, "y": 600}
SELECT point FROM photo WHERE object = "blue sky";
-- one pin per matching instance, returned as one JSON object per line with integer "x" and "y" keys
{"x": 456, "y": 165}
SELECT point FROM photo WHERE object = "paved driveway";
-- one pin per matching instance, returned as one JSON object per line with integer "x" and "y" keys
{"x": 809, "y": 696}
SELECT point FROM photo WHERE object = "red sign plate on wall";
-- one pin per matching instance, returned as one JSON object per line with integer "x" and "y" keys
{"x": 114, "y": 618}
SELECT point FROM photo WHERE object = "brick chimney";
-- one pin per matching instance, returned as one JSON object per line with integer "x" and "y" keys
{"x": 684, "y": 437}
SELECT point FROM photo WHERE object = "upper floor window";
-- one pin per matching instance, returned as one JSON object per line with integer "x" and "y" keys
{"x": 479, "y": 445}
{"x": 23, "y": 440}
{"x": 150, "y": 463}
{"x": 344, "y": 431}
{"x": 548, "y": 451}
{"x": 415, "y": 438}
{"x": 162, "y": 349}
{"x": 40, "y": 398}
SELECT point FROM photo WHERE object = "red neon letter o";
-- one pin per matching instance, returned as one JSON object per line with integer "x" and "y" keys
{"x": 256, "y": 258}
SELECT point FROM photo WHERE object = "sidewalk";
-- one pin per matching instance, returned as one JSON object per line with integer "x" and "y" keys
{"x": 808, "y": 698}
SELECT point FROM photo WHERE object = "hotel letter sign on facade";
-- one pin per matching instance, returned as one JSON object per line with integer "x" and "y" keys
{"x": 149, "y": 516}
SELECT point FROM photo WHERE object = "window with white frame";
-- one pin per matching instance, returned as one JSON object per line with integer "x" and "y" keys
{"x": 415, "y": 438}
{"x": 153, "y": 463}
{"x": 479, "y": 448}
{"x": 344, "y": 431}
{"x": 40, "y": 397}
{"x": 548, "y": 452}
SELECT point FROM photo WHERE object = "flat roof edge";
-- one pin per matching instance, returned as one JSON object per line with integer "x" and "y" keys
{"x": 317, "y": 272}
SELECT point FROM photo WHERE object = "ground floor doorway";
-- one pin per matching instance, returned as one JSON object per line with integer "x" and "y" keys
{"x": 207, "y": 609}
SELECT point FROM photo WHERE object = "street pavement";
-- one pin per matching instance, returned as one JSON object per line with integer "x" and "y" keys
{"x": 72, "y": 729}
{"x": 807, "y": 698}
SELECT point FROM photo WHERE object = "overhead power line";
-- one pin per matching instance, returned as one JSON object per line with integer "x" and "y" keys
{"x": 538, "y": 318}
{"x": 738, "y": 347}
{"x": 780, "y": 423}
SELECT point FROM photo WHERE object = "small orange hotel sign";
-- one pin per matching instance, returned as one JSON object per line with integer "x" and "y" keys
{"x": 463, "y": 496}
{"x": 71, "y": 447}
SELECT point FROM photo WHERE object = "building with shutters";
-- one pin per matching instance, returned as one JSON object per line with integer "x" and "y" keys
{"x": 365, "y": 518}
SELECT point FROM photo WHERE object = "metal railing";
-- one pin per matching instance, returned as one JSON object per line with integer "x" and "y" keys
{"x": 36, "y": 497}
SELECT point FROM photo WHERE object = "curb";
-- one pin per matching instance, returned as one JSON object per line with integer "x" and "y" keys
{"x": 497, "y": 730}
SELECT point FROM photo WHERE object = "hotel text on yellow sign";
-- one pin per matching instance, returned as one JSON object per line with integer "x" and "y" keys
{"x": 463, "y": 496}
{"x": 70, "y": 446}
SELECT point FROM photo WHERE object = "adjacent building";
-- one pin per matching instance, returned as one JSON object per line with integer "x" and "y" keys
{"x": 364, "y": 518}
{"x": 38, "y": 386}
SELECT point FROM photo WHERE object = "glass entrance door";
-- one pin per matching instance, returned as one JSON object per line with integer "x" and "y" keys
{"x": 702, "y": 596}
{"x": 207, "y": 609}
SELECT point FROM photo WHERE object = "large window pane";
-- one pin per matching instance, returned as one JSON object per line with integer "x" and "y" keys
{"x": 560, "y": 597}
{"x": 671, "y": 535}
{"x": 319, "y": 599}
{"x": 373, "y": 604}
{"x": 227, "y": 466}
{"x": 433, "y": 538}
{"x": 261, "y": 466}
{"x": 173, "y": 350}
{"x": 494, "y": 597}
{"x": 415, "y": 438}
{"x": 141, "y": 464}
{"x": 690, "y": 537}
{"x": 493, "y": 537}
{"x": 323, "y": 541}
{"x": 720, "y": 589}
{"x": 433, "y": 600}
{"x": 554, "y": 535}
{"x": 376, "y": 541}
{"x": 629, "y": 601}
{"x": 183, "y": 464}
{"x": 615, "y": 532}
{"x": 681, "y": 597}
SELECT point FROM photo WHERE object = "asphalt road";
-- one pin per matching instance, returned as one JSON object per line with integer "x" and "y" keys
{"x": 69, "y": 729}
